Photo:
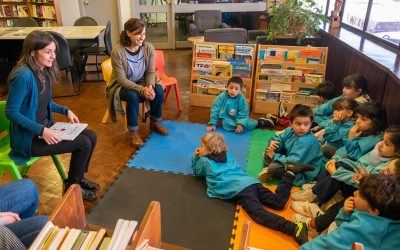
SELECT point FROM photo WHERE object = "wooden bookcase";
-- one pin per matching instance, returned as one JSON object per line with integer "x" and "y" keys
{"x": 285, "y": 81}
{"x": 70, "y": 212}
{"x": 46, "y": 12}
{"x": 205, "y": 100}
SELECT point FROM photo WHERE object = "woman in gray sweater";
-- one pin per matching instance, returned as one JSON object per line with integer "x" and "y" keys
{"x": 133, "y": 80}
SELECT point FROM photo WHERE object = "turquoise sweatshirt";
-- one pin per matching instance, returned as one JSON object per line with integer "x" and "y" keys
{"x": 323, "y": 113}
{"x": 299, "y": 149}
{"x": 356, "y": 147}
{"x": 374, "y": 232}
{"x": 224, "y": 179}
{"x": 336, "y": 132}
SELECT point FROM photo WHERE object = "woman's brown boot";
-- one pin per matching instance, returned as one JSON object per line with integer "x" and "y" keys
{"x": 158, "y": 128}
{"x": 136, "y": 142}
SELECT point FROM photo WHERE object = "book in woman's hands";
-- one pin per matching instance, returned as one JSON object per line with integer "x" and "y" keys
{"x": 68, "y": 131}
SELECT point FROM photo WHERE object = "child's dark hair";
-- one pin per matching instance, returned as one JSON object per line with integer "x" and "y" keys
{"x": 396, "y": 163}
{"x": 394, "y": 136}
{"x": 326, "y": 90}
{"x": 300, "y": 110}
{"x": 383, "y": 193}
{"x": 236, "y": 79}
{"x": 376, "y": 113}
{"x": 344, "y": 103}
{"x": 356, "y": 81}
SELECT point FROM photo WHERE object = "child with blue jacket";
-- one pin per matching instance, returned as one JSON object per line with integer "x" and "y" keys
{"x": 226, "y": 180}
{"x": 295, "y": 144}
{"x": 231, "y": 107}
{"x": 371, "y": 217}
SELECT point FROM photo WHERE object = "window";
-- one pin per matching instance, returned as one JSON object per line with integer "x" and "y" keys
{"x": 355, "y": 12}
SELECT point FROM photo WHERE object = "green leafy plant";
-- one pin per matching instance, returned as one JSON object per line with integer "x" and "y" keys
{"x": 295, "y": 18}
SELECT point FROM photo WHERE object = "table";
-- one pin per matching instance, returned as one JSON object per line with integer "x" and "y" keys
{"x": 69, "y": 32}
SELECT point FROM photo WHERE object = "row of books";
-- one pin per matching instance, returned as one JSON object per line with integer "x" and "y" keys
{"x": 207, "y": 86}
{"x": 229, "y": 68}
{"x": 238, "y": 51}
{"x": 13, "y": 1}
{"x": 44, "y": 11}
{"x": 290, "y": 76}
{"x": 306, "y": 55}
{"x": 14, "y": 11}
{"x": 53, "y": 238}
{"x": 303, "y": 97}
{"x": 41, "y": 1}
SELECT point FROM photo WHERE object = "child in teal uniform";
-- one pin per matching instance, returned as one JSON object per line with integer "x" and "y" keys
{"x": 327, "y": 93}
{"x": 226, "y": 180}
{"x": 231, "y": 107}
{"x": 371, "y": 217}
{"x": 338, "y": 129}
{"x": 295, "y": 144}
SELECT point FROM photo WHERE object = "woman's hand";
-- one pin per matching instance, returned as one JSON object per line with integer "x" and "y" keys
{"x": 50, "y": 137}
{"x": 211, "y": 128}
{"x": 148, "y": 92}
{"x": 349, "y": 206}
{"x": 8, "y": 218}
{"x": 72, "y": 117}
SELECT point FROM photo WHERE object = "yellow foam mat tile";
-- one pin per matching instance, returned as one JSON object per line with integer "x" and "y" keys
{"x": 260, "y": 236}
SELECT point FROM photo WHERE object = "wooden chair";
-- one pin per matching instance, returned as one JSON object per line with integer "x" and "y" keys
{"x": 167, "y": 81}
{"x": 106, "y": 68}
{"x": 6, "y": 163}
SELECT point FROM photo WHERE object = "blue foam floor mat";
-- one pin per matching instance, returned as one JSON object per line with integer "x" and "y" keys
{"x": 173, "y": 153}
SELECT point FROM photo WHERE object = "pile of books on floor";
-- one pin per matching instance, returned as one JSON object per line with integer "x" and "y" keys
{"x": 52, "y": 237}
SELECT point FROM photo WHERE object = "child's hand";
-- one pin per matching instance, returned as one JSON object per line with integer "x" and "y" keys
{"x": 273, "y": 145}
{"x": 315, "y": 128}
{"x": 354, "y": 132}
{"x": 330, "y": 166}
{"x": 239, "y": 128}
{"x": 270, "y": 153}
{"x": 360, "y": 172}
{"x": 349, "y": 206}
{"x": 320, "y": 133}
{"x": 196, "y": 151}
{"x": 337, "y": 117}
{"x": 211, "y": 128}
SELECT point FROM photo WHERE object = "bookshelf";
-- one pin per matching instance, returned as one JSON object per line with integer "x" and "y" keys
{"x": 45, "y": 12}
{"x": 213, "y": 64}
{"x": 289, "y": 74}
{"x": 70, "y": 212}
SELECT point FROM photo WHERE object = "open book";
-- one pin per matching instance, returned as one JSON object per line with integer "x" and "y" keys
{"x": 68, "y": 131}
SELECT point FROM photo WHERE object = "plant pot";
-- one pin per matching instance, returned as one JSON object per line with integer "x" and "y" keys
{"x": 289, "y": 40}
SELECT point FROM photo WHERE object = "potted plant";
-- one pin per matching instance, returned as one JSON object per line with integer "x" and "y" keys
{"x": 295, "y": 18}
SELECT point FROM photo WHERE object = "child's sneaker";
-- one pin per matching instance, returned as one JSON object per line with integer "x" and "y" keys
{"x": 304, "y": 219}
{"x": 282, "y": 110}
{"x": 304, "y": 195}
{"x": 298, "y": 168}
{"x": 264, "y": 176}
{"x": 265, "y": 123}
{"x": 300, "y": 233}
{"x": 306, "y": 208}
{"x": 272, "y": 117}
{"x": 308, "y": 185}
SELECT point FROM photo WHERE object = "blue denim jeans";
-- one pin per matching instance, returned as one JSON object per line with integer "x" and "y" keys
{"x": 21, "y": 197}
{"x": 133, "y": 99}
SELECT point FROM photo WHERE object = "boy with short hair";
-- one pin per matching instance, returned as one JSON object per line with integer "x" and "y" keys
{"x": 231, "y": 107}
{"x": 371, "y": 217}
{"x": 296, "y": 144}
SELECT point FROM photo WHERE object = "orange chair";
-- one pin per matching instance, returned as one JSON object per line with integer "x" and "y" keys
{"x": 106, "y": 68}
{"x": 167, "y": 81}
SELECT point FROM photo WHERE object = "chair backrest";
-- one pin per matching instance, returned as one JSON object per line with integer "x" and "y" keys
{"x": 160, "y": 62}
{"x": 85, "y": 21}
{"x": 63, "y": 58}
{"x": 226, "y": 35}
{"x": 4, "y": 125}
{"x": 26, "y": 22}
{"x": 253, "y": 34}
{"x": 207, "y": 19}
{"x": 107, "y": 38}
{"x": 106, "y": 68}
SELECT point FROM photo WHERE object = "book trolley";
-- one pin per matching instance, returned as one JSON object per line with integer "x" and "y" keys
{"x": 288, "y": 74}
{"x": 213, "y": 64}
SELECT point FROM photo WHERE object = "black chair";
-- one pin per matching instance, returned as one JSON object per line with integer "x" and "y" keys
{"x": 85, "y": 21}
{"x": 65, "y": 61}
{"x": 26, "y": 22}
{"x": 79, "y": 44}
{"x": 98, "y": 51}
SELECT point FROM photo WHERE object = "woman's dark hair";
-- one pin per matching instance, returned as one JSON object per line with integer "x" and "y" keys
{"x": 34, "y": 41}
{"x": 326, "y": 90}
{"x": 382, "y": 192}
{"x": 300, "y": 110}
{"x": 356, "y": 81}
{"x": 236, "y": 79}
{"x": 344, "y": 103}
{"x": 376, "y": 113}
{"x": 132, "y": 25}
{"x": 394, "y": 136}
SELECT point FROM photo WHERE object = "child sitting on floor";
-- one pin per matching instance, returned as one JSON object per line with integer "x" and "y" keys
{"x": 231, "y": 107}
{"x": 295, "y": 144}
{"x": 226, "y": 180}
{"x": 371, "y": 217}
{"x": 332, "y": 136}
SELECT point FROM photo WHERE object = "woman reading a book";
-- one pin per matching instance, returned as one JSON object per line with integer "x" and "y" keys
{"x": 29, "y": 108}
{"x": 133, "y": 80}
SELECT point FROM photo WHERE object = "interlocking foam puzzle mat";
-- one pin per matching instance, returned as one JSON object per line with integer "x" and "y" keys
{"x": 173, "y": 153}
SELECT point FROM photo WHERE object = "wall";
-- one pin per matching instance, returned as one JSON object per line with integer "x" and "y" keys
{"x": 69, "y": 11}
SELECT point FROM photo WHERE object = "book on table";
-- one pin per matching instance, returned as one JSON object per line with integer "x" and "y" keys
{"x": 68, "y": 131}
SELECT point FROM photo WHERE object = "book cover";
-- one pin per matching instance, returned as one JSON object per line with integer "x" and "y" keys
{"x": 79, "y": 241}
{"x": 68, "y": 131}
{"x": 51, "y": 238}
{"x": 88, "y": 240}
{"x": 42, "y": 235}
{"x": 244, "y": 51}
{"x": 99, "y": 237}
{"x": 59, "y": 239}
{"x": 220, "y": 68}
{"x": 226, "y": 51}
{"x": 23, "y": 10}
{"x": 7, "y": 10}
{"x": 105, "y": 243}
{"x": 242, "y": 70}
{"x": 271, "y": 66}
{"x": 203, "y": 64}
{"x": 291, "y": 55}
{"x": 206, "y": 50}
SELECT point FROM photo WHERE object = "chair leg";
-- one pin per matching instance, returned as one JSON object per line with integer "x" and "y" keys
{"x": 178, "y": 97}
{"x": 15, "y": 174}
{"x": 125, "y": 120}
{"x": 168, "y": 88}
{"x": 105, "y": 117}
{"x": 24, "y": 170}
{"x": 59, "y": 167}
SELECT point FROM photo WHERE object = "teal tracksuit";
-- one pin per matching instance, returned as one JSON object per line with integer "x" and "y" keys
{"x": 323, "y": 113}
{"x": 336, "y": 132}
{"x": 356, "y": 147}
